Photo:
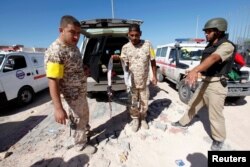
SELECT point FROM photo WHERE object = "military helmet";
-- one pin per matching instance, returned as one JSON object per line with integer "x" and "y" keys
{"x": 218, "y": 23}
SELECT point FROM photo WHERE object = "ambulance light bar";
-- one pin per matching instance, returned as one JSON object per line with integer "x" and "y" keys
{"x": 197, "y": 40}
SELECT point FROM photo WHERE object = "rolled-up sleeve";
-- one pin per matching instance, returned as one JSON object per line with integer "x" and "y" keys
{"x": 54, "y": 65}
{"x": 225, "y": 50}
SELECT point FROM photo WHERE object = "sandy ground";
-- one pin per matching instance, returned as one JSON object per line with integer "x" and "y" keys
{"x": 30, "y": 136}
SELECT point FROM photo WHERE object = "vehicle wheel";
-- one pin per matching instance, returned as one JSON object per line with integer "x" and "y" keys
{"x": 185, "y": 92}
{"x": 160, "y": 77}
{"x": 25, "y": 96}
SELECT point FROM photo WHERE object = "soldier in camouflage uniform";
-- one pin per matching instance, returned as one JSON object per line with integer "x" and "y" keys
{"x": 66, "y": 76}
{"x": 137, "y": 55}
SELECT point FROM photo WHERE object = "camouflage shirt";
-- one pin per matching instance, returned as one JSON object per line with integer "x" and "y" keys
{"x": 138, "y": 57}
{"x": 64, "y": 62}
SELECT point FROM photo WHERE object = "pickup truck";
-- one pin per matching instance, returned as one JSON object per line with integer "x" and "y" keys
{"x": 174, "y": 59}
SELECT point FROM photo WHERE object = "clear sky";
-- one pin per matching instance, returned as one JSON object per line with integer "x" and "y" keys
{"x": 35, "y": 23}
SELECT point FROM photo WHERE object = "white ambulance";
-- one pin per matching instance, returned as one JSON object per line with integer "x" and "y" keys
{"x": 22, "y": 74}
{"x": 174, "y": 59}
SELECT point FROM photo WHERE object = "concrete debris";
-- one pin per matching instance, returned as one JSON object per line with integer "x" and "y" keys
{"x": 123, "y": 156}
{"x": 161, "y": 126}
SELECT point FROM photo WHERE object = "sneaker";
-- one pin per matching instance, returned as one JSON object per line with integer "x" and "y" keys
{"x": 135, "y": 124}
{"x": 86, "y": 148}
{"x": 216, "y": 145}
{"x": 144, "y": 124}
{"x": 178, "y": 125}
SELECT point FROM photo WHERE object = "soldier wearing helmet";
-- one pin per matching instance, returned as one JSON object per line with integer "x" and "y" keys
{"x": 216, "y": 62}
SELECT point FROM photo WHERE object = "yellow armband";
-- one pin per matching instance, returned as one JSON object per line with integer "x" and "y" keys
{"x": 54, "y": 70}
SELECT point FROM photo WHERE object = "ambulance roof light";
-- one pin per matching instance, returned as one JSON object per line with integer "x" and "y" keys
{"x": 182, "y": 40}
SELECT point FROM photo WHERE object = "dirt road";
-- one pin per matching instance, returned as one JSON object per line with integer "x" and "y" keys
{"x": 16, "y": 122}
{"x": 31, "y": 137}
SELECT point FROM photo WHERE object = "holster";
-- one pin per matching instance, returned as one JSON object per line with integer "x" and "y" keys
{"x": 223, "y": 82}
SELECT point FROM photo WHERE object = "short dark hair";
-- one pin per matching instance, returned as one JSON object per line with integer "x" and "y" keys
{"x": 67, "y": 19}
{"x": 134, "y": 27}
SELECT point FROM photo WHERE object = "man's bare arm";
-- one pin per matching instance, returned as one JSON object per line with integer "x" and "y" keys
{"x": 192, "y": 75}
{"x": 60, "y": 114}
{"x": 154, "y": 69}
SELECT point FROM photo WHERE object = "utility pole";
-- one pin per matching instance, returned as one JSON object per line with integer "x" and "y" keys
{"x": 112, "y": 6}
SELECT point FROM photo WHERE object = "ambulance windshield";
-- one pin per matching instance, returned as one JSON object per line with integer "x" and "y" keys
{"x": 191, "y": 54}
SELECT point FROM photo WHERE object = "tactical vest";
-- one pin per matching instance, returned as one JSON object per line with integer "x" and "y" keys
{"x": 219, "y": 68}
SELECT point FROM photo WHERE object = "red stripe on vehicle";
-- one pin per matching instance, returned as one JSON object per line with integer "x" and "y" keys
{"x": 40, "y": 76}
{"x": 163, "y": 63}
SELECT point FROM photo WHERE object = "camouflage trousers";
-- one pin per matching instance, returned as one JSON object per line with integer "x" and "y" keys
{"x": 78, "y": 110}
{"x": 139, "y": 102}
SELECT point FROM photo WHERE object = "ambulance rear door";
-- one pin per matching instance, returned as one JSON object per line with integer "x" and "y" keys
{"x": 40, "y": 81}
